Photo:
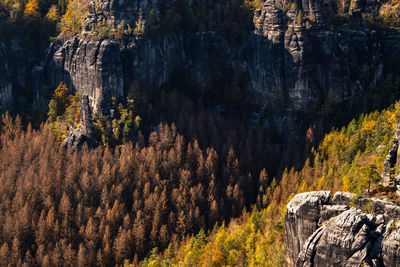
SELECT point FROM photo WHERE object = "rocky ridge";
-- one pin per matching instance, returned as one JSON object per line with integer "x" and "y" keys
{"x": 326, "y": 230}
{"x": 293, "y": 62}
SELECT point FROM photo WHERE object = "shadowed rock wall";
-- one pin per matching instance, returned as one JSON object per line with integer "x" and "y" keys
{"x": 5, "y": 79}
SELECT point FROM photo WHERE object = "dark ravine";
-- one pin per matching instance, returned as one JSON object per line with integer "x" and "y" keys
{"x": 326, "y": 230}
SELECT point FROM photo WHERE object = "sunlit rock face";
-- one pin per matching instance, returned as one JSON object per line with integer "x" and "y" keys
{"x": 321, "y": 230}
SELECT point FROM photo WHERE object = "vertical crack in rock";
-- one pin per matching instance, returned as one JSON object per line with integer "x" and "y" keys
{"x": 5, "y": 79}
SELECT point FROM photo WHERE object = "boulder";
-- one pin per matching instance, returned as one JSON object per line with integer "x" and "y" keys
{"x": 324, "y": 232}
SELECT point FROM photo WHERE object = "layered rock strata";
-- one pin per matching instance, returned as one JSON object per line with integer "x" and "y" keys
{"x": 295, "y": 62}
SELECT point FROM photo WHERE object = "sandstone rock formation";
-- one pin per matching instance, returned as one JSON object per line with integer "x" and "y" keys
{"x": 299, "y": 66}
{"x": 329, "y": 232}
{"x": 293, "y": 60}
{"x": 115, "y": 11}
{"x": 84, "y": 134}
{"x": 91, "y": 67}
{"x": 302, "y": 217}
{"x": 5, "y": 79}
{"x": 154, "y": 61}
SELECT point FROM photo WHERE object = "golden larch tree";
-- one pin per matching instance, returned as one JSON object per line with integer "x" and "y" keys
{"x": 32, "y": 9}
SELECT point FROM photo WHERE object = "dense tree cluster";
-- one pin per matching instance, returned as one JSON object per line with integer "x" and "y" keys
{"x": 222, "y": 128}
{"x": 105, "y": 205}
{"x": 32, "y": 21}
{"x": 347, "y": 159}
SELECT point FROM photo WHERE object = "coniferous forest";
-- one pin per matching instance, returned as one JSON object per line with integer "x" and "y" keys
{"x": 175, "y": 133}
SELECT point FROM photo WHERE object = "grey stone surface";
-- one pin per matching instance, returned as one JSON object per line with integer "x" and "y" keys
{"x": 344, "y": 236}
{"x": 391, "y": 245}
{"x": 342, "y": 198}
{"x": 199, "y": 55}
{"x": 293, "y": 61}
{"x": 91, "y": 67}
{"x": 301, "y": 220}
{"x": 300, "y": 67}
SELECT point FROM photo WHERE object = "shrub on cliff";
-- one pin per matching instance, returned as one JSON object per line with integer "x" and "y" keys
{"x": 390, "y": 13}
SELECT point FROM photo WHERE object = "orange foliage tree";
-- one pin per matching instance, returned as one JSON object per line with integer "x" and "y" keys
{"x": 73, "y": 19}
{"x": 32, "y": 9}
{"x": 53, "y": 15}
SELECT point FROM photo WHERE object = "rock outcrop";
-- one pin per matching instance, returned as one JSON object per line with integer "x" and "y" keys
{"x": 114, "y": 12}
{"x": 91, "y": 67}
{"x": 292, "y": 61}
{"x": 302, "y": 217}
{"x": 84, "y": 134}
{"x": 5, "y": 79}
{"x": 329, "y": 232}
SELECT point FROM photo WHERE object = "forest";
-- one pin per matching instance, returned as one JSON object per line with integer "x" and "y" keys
{"x": 178, "y": 175}
{"x": 165, "y": 194}
{"x": 348, "y": 159}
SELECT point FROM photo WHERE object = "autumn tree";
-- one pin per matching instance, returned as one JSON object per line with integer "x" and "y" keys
{"x": 32, "y": 9}
{"x": 53, "y": 14}
{"x": 73, "y": 19}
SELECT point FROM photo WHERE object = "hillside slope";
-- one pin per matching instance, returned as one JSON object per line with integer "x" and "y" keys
{"x": 347, "y": 159}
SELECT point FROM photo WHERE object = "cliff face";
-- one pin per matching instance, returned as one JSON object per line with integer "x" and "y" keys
{"x": 154, "y": 61}
{"x": 5, "y": 79}
{"x": 295, "y": 59}
{"x": 92, "y": 68}
{"x": 292, "y": 59}
{"x": 326, "y": 231}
